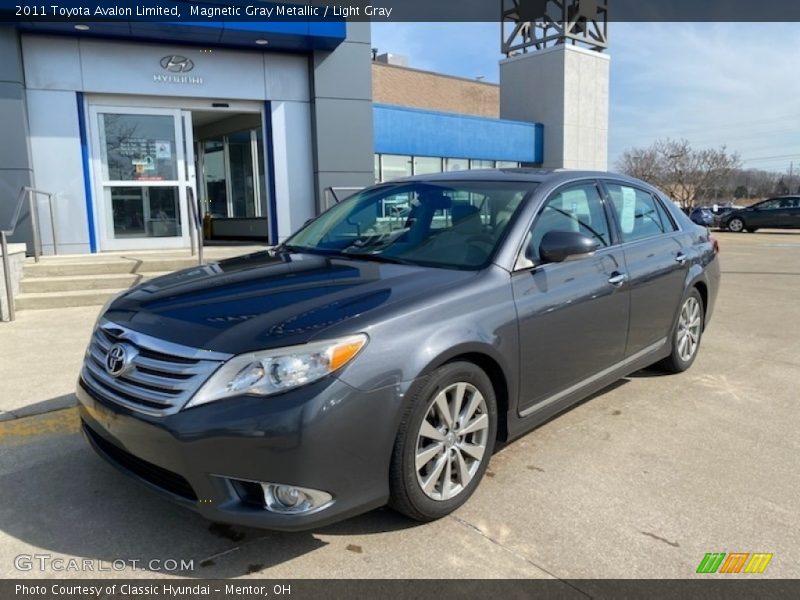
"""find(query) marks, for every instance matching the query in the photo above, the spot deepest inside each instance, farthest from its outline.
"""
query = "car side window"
(639, 214)
(666, 219)
(769, 204)
(577, 208)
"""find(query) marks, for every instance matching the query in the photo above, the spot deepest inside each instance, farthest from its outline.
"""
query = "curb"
(40, 408)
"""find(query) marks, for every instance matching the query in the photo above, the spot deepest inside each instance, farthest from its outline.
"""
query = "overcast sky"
(736, 84)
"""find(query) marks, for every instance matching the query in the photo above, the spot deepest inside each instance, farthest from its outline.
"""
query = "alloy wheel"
(736, 225)
(451, 441)
(689, 326)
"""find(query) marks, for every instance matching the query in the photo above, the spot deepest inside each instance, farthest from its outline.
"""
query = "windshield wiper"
(299, 249)
(375, 258)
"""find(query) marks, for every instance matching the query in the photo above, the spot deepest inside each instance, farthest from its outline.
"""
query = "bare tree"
(688, 175)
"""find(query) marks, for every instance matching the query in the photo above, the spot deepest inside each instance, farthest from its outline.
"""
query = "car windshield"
(448, 224)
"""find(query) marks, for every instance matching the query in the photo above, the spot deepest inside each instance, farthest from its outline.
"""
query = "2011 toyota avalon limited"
(380, 353)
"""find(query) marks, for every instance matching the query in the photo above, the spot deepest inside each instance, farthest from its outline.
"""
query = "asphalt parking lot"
(642, 480)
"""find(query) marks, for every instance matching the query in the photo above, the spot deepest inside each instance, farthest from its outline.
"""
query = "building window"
(427, 164)
(481, 164)
(394, 167)
(456, 164)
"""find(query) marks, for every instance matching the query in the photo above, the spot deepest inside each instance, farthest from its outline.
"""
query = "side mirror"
(558, 246)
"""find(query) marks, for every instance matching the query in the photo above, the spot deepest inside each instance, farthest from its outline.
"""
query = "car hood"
(266, 300)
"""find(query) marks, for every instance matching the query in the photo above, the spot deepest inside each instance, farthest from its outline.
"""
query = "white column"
(565, 88)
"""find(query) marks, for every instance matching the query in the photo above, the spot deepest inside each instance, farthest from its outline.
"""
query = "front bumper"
(326, 436)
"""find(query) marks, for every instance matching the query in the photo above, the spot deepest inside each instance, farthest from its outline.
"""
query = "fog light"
(293, 500)
(288, 496)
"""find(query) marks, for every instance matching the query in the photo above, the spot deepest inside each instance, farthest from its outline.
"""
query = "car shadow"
(57, 497)
(651, 371)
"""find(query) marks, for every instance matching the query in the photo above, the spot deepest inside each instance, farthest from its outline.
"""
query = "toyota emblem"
(118, 359)
(174, 63)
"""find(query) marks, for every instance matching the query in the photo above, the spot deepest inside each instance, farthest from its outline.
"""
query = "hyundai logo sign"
(174, 63)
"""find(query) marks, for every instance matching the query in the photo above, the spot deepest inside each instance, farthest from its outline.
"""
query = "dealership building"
(125, 123)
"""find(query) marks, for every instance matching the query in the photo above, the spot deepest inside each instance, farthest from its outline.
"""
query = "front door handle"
(680, 258)
(617, 278)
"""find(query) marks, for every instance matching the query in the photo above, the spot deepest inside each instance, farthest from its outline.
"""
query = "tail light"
(714, 244)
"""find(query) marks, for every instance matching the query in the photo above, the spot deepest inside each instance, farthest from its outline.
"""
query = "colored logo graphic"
(736, 562)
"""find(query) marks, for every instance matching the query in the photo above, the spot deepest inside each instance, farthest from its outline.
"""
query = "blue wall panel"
(282, 35)
(401, 130)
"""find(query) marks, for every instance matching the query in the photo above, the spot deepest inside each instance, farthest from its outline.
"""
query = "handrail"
(333, 192)
(30, 193)
(196, 231)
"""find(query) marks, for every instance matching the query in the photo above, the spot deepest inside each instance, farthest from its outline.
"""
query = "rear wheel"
(686, 334)
(736, 225)
(444, 443)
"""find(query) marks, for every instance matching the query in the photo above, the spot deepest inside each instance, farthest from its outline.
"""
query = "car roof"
(519, 174)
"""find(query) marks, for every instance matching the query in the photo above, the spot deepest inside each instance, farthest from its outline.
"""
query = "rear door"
(784, 213)
(573, 315)
(657, 256)
(794, 213)
(764, 214)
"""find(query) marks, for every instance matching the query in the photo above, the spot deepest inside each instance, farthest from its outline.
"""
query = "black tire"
(676, 362)
(736, 225)
(407, 495)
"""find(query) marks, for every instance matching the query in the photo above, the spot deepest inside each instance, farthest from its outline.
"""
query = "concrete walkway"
(42, 351)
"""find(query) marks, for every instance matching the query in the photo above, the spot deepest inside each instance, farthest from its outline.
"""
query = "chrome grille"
(161, 377)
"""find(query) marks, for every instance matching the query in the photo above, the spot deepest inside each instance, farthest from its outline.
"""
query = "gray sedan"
(379, 354)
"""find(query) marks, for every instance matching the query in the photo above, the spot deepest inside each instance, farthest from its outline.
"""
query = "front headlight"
(272, 371)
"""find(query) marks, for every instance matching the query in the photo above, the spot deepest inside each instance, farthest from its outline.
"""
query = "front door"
(573, 316)
(141, 174)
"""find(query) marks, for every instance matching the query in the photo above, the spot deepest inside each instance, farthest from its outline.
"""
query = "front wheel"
(736, 225)
(686, 334)
(444, 443)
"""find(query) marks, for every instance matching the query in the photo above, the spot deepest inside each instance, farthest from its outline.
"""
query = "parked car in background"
(702, 215)
(775, 213)
(719, 212)
(377, 356)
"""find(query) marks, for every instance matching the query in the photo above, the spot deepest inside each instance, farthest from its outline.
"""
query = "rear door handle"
(617, 278)
(680, 257)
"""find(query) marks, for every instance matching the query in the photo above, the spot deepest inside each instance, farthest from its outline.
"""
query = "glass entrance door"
(141, 177)
(233, 185)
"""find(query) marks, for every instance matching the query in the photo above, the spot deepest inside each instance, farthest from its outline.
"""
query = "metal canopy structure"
(530, 25)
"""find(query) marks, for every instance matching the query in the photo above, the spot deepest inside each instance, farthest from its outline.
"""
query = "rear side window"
(640, 215)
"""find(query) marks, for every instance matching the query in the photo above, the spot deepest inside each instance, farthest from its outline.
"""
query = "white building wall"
(294, 167)
(58, 168)
(566, 89)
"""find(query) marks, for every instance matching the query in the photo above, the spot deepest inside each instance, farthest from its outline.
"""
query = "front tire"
(444, 443)
(686, 334)
(736, 225)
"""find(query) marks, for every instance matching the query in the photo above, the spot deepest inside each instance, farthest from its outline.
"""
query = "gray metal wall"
(15, 162)
(342, 112)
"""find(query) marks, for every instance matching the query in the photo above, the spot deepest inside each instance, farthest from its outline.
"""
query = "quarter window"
(639, 214)
(578, 208)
